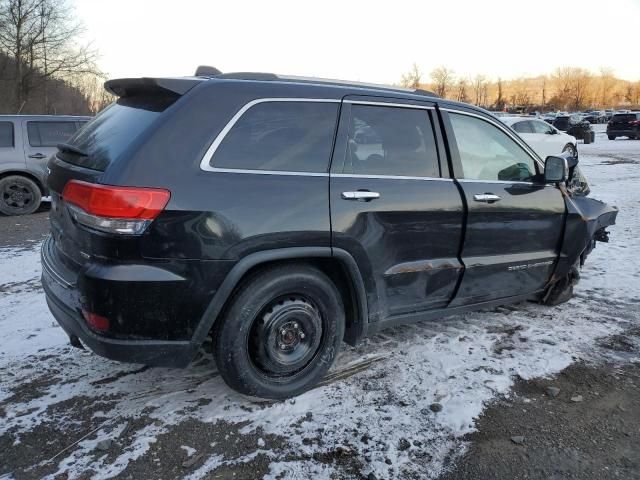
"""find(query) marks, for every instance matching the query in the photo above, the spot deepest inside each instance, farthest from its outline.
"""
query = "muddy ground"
(464, 398)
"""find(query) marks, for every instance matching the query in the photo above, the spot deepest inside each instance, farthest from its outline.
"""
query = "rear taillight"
(95, 321)
(111, 209)
(634, 122)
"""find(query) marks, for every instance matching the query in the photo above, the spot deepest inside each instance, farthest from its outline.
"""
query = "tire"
(19, 195)
(587, 138)
(280, 333)
(571, 149)
(611, 137)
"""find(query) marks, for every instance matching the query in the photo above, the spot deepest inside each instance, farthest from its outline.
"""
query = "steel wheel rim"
(285, 336)
(16, 195)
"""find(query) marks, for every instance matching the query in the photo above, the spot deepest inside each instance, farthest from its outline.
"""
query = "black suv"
(624, 125)
(280, 216)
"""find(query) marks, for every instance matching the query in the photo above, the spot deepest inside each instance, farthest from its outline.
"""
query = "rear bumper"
(64, 304)
(624, 133)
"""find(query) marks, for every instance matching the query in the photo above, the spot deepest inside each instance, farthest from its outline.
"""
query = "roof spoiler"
(127, 87)
(207, 71)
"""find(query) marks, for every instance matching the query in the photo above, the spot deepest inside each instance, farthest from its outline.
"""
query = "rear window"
(50, 134)
(6, 134)
(625, 117)
(107, 135)
(280, 136)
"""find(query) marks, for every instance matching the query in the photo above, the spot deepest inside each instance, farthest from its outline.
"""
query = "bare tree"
(500, 101)
(412, 78)
(442, 78)
(461, 91)
(40, 36)
(479, 87)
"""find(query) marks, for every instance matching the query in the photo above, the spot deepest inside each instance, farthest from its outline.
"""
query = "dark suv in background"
(26, 143)
(624, 125)
(281, 216)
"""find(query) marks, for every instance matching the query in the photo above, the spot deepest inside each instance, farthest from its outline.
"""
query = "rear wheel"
(281, 332)
(611, 137)
(19, 195)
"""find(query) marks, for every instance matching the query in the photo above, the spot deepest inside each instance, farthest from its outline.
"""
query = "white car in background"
(545, 139)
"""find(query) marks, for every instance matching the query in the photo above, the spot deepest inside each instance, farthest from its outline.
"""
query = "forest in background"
(566, 88)
(44, 69)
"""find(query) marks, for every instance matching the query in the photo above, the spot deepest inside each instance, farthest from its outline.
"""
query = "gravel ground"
(447, 399)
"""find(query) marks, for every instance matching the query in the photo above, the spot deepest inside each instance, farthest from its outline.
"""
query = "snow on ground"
(377, 396)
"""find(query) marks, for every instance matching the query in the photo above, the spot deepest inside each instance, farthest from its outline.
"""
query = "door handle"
(486, 197)
(361, 195)
(37, 155)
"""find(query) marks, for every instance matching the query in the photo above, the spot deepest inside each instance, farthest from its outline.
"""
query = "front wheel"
(280, 333)
(611, 137)
(19, 195)
(570, 149)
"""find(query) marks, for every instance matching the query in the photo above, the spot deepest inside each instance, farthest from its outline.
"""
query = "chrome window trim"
(205, 163)
(504, 128)
(388, 104)
(518, 182)
(389, 177)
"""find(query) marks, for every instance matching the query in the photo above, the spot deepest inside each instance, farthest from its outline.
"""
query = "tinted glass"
(487, 153)
(6, 134)
(561, 122)
(523, 127)
(280, 136)
(50, 134)
(108, 134)
(541, 127)
(624, 117)
(391, 141)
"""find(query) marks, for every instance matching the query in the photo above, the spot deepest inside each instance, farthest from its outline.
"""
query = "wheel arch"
(337, 264)
(29, 175)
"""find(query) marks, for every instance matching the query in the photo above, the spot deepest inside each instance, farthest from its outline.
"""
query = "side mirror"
(556, 169)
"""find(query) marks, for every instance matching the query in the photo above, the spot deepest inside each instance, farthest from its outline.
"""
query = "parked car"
(545, 139)
(26, 142)
(624, 125)
(608, 114)
(575, 126)
(500, 114)
(596, 116)
(280, 216)
(549, 117)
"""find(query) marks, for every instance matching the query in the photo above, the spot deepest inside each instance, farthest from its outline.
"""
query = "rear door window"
(489, 154)
(523, 127)
(50, 134)
(6, 134)
(541, 127)
(391, 141)
(288, 136)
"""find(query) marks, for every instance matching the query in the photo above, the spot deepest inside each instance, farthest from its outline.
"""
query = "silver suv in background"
(26, 143)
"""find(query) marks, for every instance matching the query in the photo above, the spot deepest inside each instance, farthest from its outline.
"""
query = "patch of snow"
(397, 375)
(190, 450)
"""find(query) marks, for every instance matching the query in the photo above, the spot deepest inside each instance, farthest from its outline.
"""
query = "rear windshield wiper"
(65, 147)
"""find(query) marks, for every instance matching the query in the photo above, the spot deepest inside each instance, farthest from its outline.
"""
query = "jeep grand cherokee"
(281, 216)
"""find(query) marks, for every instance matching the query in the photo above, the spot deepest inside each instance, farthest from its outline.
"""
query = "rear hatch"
(623, 121)
(105, 141)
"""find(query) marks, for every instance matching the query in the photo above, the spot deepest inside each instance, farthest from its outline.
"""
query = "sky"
(370, 41)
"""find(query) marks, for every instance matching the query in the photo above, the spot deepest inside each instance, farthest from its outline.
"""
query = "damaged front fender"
(586, 223)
